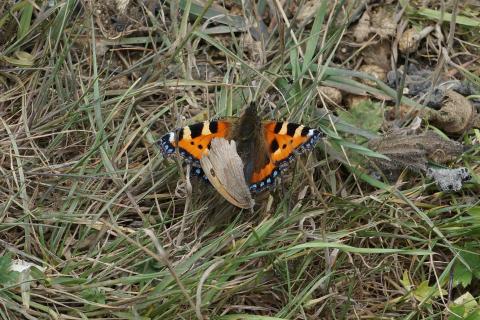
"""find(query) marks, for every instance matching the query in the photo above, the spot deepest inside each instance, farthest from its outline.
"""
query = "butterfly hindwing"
(264, 178)
(198, 172)
(194, 141)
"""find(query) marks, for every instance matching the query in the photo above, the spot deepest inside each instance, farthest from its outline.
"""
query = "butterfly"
(265, 147)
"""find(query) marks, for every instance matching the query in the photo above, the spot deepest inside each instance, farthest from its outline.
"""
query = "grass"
(116, 231)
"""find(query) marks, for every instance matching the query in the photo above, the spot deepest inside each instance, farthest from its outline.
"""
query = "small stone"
(409, 42)
(375, 71)
(331, 96)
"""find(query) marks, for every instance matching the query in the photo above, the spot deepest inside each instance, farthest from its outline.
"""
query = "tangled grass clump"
(95, 223)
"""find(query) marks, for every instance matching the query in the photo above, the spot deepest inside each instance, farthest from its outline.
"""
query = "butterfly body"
(265, 147)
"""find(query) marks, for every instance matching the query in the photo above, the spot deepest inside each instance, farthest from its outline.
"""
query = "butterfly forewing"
(284, 140)
(194, 141)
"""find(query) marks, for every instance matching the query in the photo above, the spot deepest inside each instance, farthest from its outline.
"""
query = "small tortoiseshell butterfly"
(265, 147)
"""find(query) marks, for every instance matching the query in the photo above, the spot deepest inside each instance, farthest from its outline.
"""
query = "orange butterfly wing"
(284, 141)
(194, 141)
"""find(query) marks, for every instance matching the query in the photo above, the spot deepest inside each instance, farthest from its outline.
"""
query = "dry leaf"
(224, 169)
(456, 115)
(307, 11)
(449, 179)
(380, 21)
(383, 22)
(362, 29)
(378, 54)
(409, 41)
(375, 71)
(413, 152)
(332, 96)
(122, 5)
(253, 47)
(353, 100)
(21, 59)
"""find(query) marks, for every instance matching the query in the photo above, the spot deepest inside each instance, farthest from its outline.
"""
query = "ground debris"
(412, 152)
(331, 96)
(116, 17)
(375, 71)
(449, 179)
(419, 85)
(410, 39)
(447, 105)
(380, 21)
(456, 115)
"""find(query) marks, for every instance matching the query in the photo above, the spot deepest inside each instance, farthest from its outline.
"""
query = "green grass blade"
(312, 41)
(437, 16)
(25, 20)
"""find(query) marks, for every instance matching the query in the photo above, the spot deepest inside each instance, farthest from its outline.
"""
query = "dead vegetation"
(95, 223)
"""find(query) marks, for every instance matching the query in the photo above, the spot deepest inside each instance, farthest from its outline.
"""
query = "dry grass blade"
(96, 224)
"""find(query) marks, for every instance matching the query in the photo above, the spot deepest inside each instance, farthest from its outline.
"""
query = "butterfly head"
(249, 124)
